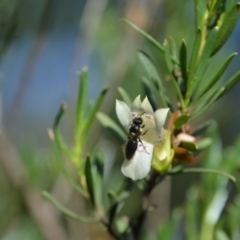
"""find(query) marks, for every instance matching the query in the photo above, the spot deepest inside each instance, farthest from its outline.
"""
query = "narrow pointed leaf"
(57, 133)
(145, 35)
(227, 25)
(203, 61)
(125, 96)
(181, 120)
(150, 67)
(202, 128)
(93, 113)
(230, 84)
(173, 48)
(207, 170)
(64, 169)
(167, 56)
(194, 60)
(200, 8)
(156, 93)
(217, 75)
(97, 175)
(153, 75)
(112, 196)
(106, 121)
(89, 179)
(148, 37)
(66, 211)
(183, 62)
(204, 143)
(207, 103)
(82, 99)
(191, 146)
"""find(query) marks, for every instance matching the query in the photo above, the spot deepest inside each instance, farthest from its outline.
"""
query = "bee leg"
(143, 145)
(144, 132)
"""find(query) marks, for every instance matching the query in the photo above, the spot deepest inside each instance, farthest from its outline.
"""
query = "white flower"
(140, 164)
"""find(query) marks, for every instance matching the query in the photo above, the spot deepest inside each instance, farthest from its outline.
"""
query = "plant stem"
(155, 178)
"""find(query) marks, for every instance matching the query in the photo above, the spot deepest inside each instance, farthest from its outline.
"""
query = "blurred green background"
(42, 45)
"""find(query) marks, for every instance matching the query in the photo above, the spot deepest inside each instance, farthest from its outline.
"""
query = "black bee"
(135, 131)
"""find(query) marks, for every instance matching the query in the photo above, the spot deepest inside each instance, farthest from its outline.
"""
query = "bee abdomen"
(131, 148)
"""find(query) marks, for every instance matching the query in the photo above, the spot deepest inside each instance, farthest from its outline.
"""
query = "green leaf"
(145, 35)
(57, 133)
(106, 121)
(148, 37)
(206, 53)
(227, 24)
(218, 93)
(125, 96)
(97, 176)
(192, 214)
(153, 75)
(194, 61)
(191, 146)
(66, 211)
(216, 76)
(202, 128)
(229, 85)
(207, 170)
(213, 213)
(60, 161)
(82, 99)
(173, 48)
(93, 113)
(181, 120)
(183, 62)
(200, 9)
(89, 179)
(221, 235)
(112, 196)
(204, 143)
(167, 56)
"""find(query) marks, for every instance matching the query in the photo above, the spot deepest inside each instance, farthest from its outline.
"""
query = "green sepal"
(226, 24)
(66, 211)
(181, 120)
(106, 121)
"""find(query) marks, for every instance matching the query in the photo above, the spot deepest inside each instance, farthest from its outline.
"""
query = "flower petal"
(123, 113)
(136, 105)
(140, 165)
(146, 106)
(160, 117)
